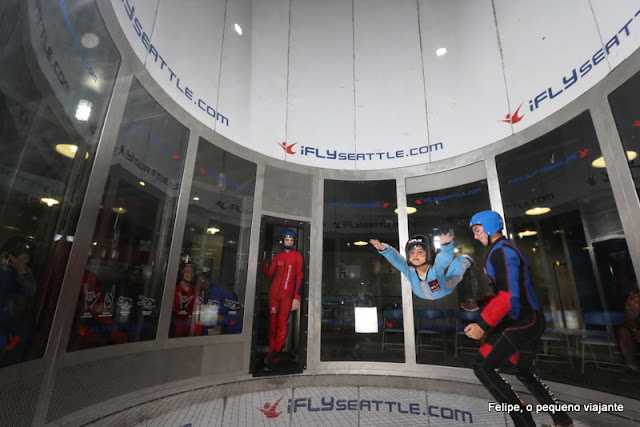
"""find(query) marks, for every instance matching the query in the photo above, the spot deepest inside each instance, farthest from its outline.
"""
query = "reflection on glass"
(210, 288)
(441, 211)
(47, 156)
(123, 280)
(355, 275)
(626, 112)
(580, 265)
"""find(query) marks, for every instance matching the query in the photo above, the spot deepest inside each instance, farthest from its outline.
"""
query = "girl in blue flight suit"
(432, 276)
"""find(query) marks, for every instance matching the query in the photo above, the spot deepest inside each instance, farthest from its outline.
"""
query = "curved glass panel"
(124, 278)
(560, 211)
(54, 92)
(209, 299)
(436, 208)
(361, 296)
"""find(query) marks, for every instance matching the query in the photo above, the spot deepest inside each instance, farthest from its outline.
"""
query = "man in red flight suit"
(284, 295)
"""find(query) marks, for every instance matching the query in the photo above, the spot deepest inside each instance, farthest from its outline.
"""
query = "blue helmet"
(289, 233)
(491, 221)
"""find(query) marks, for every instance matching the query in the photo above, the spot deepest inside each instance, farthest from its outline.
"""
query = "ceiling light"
(410, 210)
(89, 40)
(83, 112)
(119, 210)
(142, 183)
(212, 230)
(69, 150)
(238, 29)
(360, 243)
(527, 233)
(537, 211)
(599, 162)
(441, 51)
(49, 201)
(196, 198)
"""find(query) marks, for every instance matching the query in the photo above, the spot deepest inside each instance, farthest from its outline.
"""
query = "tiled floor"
(260, 403)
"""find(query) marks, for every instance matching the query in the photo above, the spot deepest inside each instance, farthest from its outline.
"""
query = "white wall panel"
(390, 110)
(619, 26)
(466, 93)
(551, 53)
(321, 87)
(137, 18)
(235, 72)
(269, 74)
(191, 71)
(356, 80)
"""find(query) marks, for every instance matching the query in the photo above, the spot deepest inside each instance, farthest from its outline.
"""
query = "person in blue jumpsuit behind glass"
(432, 276)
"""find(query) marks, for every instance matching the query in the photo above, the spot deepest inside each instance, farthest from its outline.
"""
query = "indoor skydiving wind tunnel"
(153, 153)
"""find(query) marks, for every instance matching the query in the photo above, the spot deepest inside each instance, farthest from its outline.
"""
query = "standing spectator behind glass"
(184, 300)
(124, 303)
(629, 334)
(219, 309)
(17, 286)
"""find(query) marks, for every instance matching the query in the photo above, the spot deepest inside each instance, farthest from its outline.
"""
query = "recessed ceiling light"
(49, 201)
(212, 230)
(238, 29)
(410, 210)
(90, 40)
(83, 112)
(360, 243)
(537, 211)
(599, 162)
(527, 233)
(119, 210)
(67, 150)
(441, 51)
(142, 183)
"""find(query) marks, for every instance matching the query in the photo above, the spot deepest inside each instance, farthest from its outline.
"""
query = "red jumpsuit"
(285, 286)
(183, 303)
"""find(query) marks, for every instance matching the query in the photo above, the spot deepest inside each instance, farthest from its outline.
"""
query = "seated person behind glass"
(184, 301)
(125, 299)
(219, 310)
(93, 325)
(16, 279)
(431, 276)
(17, 285)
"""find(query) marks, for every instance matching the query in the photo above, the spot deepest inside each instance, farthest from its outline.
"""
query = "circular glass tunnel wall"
(557, 199)
(560, 210)
(52, 113)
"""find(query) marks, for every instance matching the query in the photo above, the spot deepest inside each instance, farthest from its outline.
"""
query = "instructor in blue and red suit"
(284, 294)
(511, 324)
